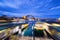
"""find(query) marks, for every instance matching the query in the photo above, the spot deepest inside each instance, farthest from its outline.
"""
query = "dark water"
(29, 30)
(57, 28)
(9, 25)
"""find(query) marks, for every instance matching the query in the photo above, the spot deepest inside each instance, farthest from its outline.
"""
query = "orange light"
(24, 17)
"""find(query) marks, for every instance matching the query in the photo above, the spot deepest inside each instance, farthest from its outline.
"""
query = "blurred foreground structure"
(29, 28)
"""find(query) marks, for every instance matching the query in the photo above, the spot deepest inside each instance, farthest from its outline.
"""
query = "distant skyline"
(37, 8)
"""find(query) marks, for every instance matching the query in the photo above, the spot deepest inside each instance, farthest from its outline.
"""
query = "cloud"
(7, 4)
(41, 15)
(25, 5)
(38, 8)
(20, 14)
(12, 3)
(53, 8)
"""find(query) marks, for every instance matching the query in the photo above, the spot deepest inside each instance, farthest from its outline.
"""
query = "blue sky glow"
(37, 8)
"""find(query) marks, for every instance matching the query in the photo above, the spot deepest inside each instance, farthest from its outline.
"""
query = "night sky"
(37, 8)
